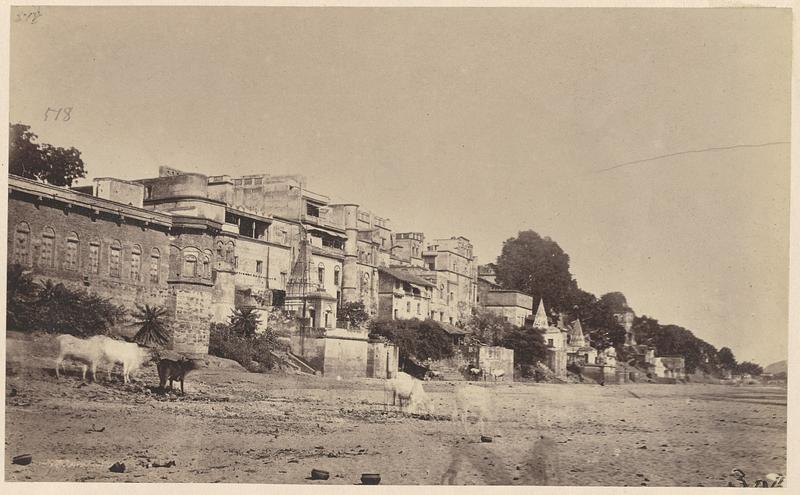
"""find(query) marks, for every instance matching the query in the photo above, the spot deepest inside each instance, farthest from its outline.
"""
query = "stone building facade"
(127, 253)
(196, 244)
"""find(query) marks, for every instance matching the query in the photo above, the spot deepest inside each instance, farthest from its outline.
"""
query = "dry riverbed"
(240, 427)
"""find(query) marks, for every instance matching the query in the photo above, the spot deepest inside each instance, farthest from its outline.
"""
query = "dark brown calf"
(169, 369)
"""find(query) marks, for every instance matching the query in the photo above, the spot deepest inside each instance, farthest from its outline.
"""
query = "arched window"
(22, 243)
(94, 256)
(321, 275)
(136, 262)
(114, 260)
(230, 253)
(220, 251)
(336, 276)
(155, 260)
(46, 253)
(190, 266)
(206, 266)
(71, 252)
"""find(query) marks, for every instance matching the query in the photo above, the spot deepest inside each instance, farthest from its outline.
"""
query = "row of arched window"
(196, 264)
(47, 255)
(226, 251)
(365, 257)
(321, 275)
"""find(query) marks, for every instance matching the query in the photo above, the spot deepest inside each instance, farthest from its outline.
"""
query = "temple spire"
(540, 321)
(576, 338)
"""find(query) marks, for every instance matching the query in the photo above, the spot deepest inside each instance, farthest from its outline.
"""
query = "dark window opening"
(312, 210)
(278, 298)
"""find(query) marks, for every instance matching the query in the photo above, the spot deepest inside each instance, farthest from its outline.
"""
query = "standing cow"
(88, 352)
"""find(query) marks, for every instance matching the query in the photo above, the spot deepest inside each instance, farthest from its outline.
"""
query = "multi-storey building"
(449, 268)
(193, 243)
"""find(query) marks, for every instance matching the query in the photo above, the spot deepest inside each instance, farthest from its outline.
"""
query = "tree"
(645, 329)
(527, 343)
(254, 353)
(488, 327)
(672, 340)
(353, 313)
(600, 323)
(245, 321)
(44, 162)
(537, 266)
(414, 338)
(726, 359)
(152, 327)
(615, 302)
(752, 369)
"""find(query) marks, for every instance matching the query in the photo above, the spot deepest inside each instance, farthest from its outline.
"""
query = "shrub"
(353, 313)
(225, 342)
(417, 339)
(153, 329)
(245, 322)
(53, 307)
(282, 323)
(527, 343)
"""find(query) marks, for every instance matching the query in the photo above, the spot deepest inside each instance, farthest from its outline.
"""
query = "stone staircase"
(293, 362)
(449, 372)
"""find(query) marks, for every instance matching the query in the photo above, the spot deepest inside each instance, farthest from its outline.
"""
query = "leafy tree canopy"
(537, 266)
(354, 313)
(615, 302)
(488, 327)
(42, 161)
(752, 369)
(726, 359)
(417, 339)
(527, 343)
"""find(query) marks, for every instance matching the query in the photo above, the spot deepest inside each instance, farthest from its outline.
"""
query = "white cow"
(407, 388)
(88, 352)
(475, 399)
(129, 354)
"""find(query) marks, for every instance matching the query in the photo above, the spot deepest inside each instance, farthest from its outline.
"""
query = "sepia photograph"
(398, 245)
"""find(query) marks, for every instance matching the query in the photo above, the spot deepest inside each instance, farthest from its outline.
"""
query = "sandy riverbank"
(242, 427)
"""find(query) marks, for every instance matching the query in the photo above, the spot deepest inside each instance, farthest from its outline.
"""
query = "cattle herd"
(404, 390)
(101, 349)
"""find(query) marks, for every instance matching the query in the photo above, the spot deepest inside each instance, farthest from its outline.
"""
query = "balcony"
(327, 251)
(321, 220)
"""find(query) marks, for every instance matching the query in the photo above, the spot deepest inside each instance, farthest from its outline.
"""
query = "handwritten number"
(31, 17)
(65, 118)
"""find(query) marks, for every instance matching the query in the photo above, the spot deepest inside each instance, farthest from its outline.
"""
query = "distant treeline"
(538, 266)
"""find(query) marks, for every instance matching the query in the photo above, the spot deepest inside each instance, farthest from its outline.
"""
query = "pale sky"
(474, 122)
